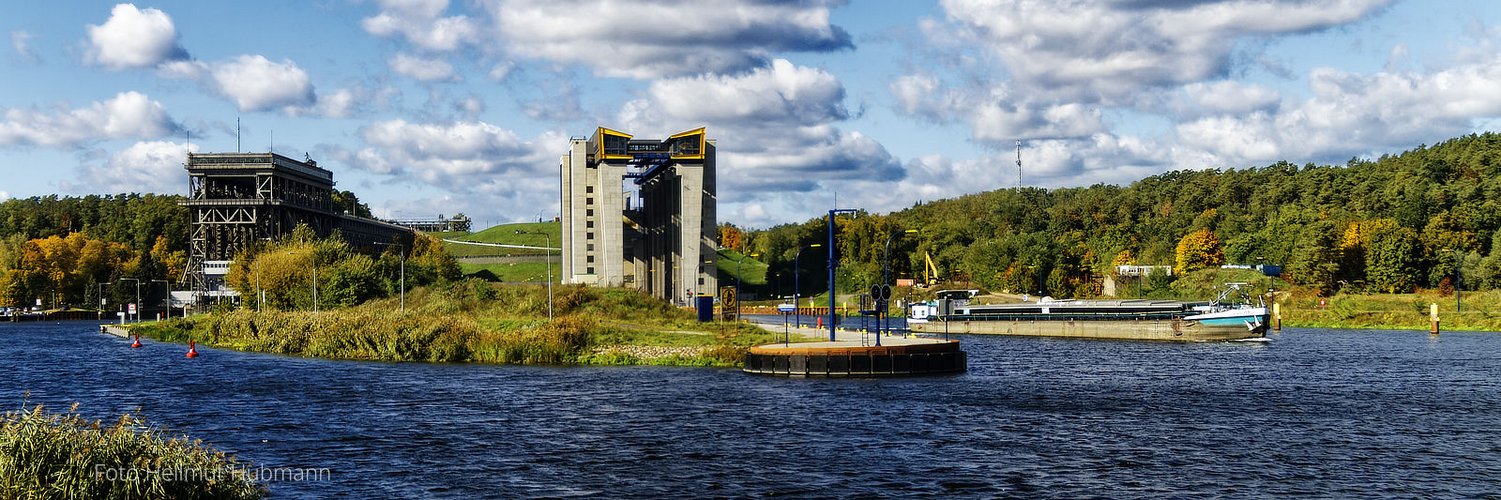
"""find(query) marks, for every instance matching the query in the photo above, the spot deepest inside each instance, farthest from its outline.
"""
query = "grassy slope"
(479, 322)
(505, 234)
(751, 271)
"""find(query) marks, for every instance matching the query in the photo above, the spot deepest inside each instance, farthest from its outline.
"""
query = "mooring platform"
(852, 354)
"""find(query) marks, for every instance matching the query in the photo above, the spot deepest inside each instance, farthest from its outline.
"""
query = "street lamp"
(832, 265)
(737, 282)
(549, 269)
(1459, 262)
(886, 279)
(138, 297)
(403, 255)
(795, 307)
(168, 286)
(315, 279)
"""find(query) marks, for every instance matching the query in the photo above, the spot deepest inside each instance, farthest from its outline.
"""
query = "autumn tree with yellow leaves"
(1198, 250)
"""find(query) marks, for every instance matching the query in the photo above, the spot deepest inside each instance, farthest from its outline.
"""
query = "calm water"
(1314, 412)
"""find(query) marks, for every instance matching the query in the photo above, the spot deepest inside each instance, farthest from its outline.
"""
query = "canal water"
(1313, 412)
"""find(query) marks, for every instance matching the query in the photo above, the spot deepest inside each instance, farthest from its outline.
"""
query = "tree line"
(90, 250)
(109, 250)
(1391, 225)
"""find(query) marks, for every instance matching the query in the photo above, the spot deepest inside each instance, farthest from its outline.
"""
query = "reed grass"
(46, 455)
(477, 322)
(1479, 311)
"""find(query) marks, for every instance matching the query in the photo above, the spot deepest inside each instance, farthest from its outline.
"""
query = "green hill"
(1392, 224)
(508, 264)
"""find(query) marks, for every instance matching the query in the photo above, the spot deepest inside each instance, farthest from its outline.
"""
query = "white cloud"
(423, 69)
(487, 168)
(422, 24)
(1225, 97)
(437, 153)
(778, 138)
(20, 40)
(994, 114)
(149, 166)
(781, 93)
(133, 38)
(255, 83)
(1113, 49)
(665, 37)
(1353, 114)
(501, 71)
(4, 196)
(127, 115)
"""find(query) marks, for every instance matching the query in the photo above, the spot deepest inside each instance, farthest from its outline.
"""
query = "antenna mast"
(237, 134)
(1018, 164)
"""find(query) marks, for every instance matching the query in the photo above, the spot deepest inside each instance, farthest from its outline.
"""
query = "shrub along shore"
(65, 456)
(472, 321)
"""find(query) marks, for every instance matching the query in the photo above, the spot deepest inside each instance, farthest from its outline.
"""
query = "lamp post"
(168, 285)
(1459, 262)
(796, 308)
(138, 297)
(833, 264)
(737, 282)
(549, 269)
(403, 256)
(315, 280)
(886, 279)
(260, 295)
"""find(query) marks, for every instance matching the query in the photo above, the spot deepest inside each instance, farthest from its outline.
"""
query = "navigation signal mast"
(1018, 164)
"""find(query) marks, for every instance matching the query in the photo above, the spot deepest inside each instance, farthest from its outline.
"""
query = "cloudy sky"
(424, 107)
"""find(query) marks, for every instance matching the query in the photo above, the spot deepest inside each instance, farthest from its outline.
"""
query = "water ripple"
(1314, 413)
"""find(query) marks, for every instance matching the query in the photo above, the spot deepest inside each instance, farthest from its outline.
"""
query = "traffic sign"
(786, 308)
(885, 292)
(132, 308)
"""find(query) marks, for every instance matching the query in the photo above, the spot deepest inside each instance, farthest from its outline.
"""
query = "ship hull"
(1181, 329)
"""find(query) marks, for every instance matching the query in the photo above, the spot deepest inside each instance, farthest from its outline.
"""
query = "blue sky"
(424, 107)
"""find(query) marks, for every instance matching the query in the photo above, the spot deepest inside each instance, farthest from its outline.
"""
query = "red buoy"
(820, 322)
(192, 349)
(137, 344)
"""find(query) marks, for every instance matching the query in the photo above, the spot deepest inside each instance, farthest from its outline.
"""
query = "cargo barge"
(1218, 320)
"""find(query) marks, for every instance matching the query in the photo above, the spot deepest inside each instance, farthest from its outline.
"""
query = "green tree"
(1316, 257)
(1392, 259)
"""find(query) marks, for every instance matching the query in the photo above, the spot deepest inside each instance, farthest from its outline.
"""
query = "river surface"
(1313, 412)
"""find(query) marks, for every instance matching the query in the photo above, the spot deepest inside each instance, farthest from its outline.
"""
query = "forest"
(74, 251)
(106, 249)
(1424, 218)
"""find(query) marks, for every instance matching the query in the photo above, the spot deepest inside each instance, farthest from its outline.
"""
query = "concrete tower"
(640, 213)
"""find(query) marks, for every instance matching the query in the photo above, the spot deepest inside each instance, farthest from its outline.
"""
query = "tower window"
(588, 236)
(588, 189)
(589, 259)
(589, 200)
(589, 270)
(589, 224)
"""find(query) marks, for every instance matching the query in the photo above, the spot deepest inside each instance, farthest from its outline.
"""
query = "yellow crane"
(929, 271)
